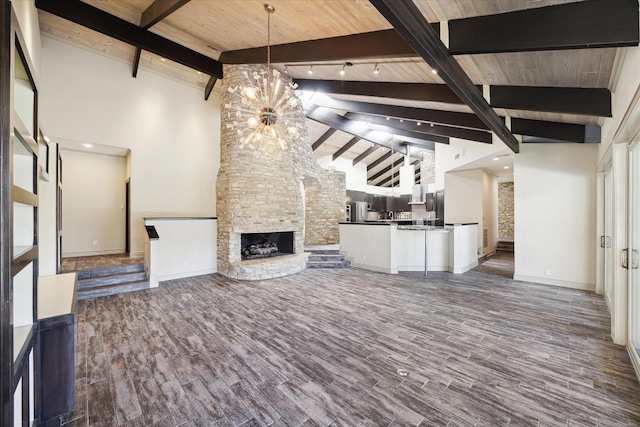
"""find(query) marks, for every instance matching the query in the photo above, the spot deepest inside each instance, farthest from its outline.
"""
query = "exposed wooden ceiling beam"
(429, 129)
(579, 25)
(376, 44)
(381, 172)
(567, 132)
(353, 141)
(409, 91)
(209, 88)
(569, 100)
(336, 121)
(88, 16)
(574, 100)
(395, 176)
(323, 138)
(136, 62)
(552, 130)
(452, 118)
(365, 154)
(410, 136)
(156, 12)
(409, 22)
(380, 159)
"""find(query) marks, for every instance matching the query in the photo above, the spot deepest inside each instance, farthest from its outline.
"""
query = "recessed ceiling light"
(87, 145)
(495, 159)
(434, 71)
(342, 71)
(162, 59)
(310, 69)
(376, 70)
(199, 73)
(419, 123)
(506, 167)
(388, 117)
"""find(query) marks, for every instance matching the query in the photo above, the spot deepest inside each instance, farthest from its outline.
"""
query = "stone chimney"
(265, 191)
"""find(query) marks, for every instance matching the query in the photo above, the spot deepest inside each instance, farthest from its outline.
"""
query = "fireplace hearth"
(266, 245)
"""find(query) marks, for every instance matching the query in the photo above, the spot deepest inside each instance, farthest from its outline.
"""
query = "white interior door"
(606, 239)
(633, 258)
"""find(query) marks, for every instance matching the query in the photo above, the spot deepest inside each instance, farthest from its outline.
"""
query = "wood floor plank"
(323, 348)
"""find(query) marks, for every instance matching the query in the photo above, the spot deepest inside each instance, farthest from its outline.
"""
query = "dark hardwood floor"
(96, 261)
(323, 347)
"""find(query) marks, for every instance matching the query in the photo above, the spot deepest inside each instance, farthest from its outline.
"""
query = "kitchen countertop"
(423, 227)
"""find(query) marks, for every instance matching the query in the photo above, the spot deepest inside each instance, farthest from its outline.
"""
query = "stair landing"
(104, 275)
(326, 256)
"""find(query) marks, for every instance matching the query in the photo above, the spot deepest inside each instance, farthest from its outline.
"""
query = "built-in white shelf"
(20, 336)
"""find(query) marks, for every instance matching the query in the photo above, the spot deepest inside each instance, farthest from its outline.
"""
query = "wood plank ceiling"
(423, 71)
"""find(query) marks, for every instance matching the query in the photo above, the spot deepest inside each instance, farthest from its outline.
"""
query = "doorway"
(633, 260)
(605, 241)
(127, 224)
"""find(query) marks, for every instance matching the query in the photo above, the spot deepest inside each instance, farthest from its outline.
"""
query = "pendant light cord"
(269, 88)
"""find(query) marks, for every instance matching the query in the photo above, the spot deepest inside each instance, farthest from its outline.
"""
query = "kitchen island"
(388, 247)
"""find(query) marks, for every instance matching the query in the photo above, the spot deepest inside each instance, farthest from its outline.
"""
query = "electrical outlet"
(95, 243)
(547, 272)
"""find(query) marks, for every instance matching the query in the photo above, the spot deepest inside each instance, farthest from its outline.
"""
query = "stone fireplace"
(270, 191)
(265, 245)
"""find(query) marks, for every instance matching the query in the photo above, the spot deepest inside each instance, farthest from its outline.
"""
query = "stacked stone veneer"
(428, 168)
(505, 210)
(270, 190)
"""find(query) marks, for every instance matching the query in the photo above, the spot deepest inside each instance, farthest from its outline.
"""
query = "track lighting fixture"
(342, 72)
(375, 69)
(310, 70)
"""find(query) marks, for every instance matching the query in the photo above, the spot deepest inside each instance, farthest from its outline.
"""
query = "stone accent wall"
(266, 191)
(428, 168)
(505, 210)
(325, 208)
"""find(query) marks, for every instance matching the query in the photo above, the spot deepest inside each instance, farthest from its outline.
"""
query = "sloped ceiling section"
(416, 73)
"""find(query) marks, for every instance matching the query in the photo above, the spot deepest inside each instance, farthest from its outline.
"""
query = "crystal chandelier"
(267, 107)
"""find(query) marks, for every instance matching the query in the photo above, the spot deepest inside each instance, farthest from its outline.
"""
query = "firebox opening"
(264, 245)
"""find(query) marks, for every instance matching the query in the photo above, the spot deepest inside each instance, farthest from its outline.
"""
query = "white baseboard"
(554, 282)
(460, 270)
(421, 268)
(93, 253)
(375, 268)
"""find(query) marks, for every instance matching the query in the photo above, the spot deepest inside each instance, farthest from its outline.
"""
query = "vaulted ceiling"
(419, 72)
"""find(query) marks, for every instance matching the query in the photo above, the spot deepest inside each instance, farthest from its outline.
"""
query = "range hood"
(417, 195)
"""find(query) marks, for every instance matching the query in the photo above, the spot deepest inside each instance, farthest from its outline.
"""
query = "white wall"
(465, 151)
(47, 233)
(93, 204)
(625, 90)
(356, 176)
(555, 214)
(173, 134)
(186, 247)
(472, 197)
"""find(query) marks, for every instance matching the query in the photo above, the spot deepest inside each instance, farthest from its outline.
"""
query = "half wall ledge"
(267, 268)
